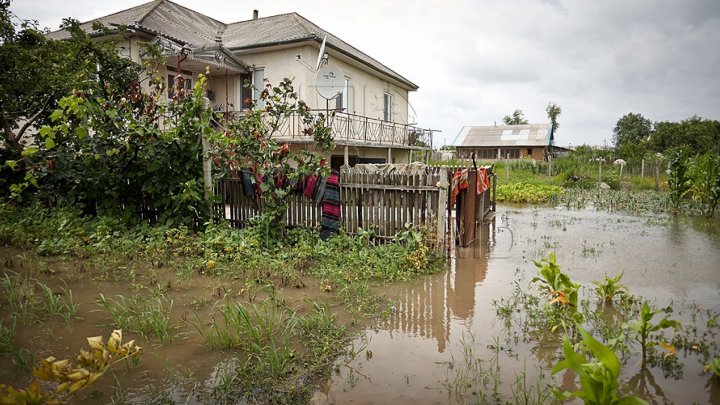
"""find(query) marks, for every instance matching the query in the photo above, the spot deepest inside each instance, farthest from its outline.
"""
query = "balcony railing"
(356, 129)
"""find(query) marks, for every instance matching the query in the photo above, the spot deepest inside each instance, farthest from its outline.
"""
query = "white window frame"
(344, 97)
(387, 106)
(258, 87)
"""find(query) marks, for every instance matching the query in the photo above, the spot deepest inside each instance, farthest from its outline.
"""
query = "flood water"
(411, 357)
(417, 352)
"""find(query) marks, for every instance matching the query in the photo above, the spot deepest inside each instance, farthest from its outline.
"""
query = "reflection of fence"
(379, 201)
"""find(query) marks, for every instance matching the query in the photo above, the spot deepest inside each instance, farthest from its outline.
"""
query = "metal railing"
(358, 129)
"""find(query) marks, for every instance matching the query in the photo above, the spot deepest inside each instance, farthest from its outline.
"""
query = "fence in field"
(379, 202)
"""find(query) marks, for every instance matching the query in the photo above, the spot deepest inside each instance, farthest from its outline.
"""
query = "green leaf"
(632, 401)
(601, 352)
(30, 151)
(11, 164)
(82, 132)
(57, 114)
(49, 143)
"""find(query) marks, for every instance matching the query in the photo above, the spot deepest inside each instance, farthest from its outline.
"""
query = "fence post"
(441, 208)
(207, 168)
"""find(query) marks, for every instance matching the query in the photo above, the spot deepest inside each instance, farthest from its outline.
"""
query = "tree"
(516, 118)
(37, 72)
(631, 128)
(631, 136)
(249, 143)
(553, 111)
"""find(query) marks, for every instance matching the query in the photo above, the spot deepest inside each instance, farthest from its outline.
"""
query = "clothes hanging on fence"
(247, 185)
(459, 182)
(320, 192)
(311, 186)
(330, 220)
(483, 182)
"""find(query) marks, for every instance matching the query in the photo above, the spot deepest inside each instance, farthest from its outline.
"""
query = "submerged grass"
(147, 316)
(285, 351)
(21, 358)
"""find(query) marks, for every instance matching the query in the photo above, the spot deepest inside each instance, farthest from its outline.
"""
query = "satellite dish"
(329, 81)
(320, 55)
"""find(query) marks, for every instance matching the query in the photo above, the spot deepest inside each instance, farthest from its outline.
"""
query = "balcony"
(351, 129)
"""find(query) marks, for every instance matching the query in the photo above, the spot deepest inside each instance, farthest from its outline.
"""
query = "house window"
(529, 151)
(258, 77)
(184, 80)
(341, 101)
(387, 107)
(246, 93)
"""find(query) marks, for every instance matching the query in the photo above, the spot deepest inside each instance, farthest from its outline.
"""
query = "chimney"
(255, 14)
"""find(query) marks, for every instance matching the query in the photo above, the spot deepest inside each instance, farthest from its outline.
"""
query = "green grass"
(58, 304)
(21, 358)
(147, 316)
(284, 350)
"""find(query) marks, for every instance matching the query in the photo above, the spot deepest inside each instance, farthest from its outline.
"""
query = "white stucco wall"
(366, 86)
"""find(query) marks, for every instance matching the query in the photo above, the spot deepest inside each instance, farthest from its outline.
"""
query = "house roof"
(196, 30)
(505, 135)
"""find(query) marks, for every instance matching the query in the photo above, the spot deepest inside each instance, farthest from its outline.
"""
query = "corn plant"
(678, 179)
(610, 288)
(714, 367)
(643, 327)
(556, 283)
(704, 183)
(598, 369)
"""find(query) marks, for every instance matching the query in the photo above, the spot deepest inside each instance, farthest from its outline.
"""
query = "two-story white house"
(371, 123)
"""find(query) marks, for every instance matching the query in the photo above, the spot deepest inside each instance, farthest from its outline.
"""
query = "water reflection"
(426, 308)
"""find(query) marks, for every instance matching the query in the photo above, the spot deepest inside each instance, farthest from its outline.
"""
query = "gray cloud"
(476, 61)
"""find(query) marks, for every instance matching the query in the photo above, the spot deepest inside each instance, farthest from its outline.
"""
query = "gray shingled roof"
(505, 136)
(171, 20)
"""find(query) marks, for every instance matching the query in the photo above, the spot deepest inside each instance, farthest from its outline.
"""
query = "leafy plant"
(610, 288)
(598, 369)
(714, 367)
(678, 179)
(643, 327)
(72, 376)
(557, 284)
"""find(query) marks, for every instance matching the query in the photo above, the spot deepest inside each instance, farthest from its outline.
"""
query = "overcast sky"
(476, 61)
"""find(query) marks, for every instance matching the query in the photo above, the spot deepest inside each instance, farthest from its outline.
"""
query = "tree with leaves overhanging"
(516, 118)
(553, 111)
(250, 142)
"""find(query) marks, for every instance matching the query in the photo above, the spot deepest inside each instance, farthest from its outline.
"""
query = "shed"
(506, 141)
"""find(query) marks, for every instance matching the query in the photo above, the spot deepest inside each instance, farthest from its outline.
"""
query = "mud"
(412, 355)
(667, 260)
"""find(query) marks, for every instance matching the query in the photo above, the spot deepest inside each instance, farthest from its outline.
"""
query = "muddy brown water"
(406, 358)
(663, 259)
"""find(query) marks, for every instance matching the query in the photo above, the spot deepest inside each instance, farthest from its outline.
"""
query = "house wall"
(488, 153)
(366, 89)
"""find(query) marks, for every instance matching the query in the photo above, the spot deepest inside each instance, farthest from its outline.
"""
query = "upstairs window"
(246, 93)
(387, 107)
(342, 99)
(172, 85)
(258, 82)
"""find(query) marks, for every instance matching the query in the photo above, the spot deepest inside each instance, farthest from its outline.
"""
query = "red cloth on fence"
(310, 186)
(483, 182)
(459, 182)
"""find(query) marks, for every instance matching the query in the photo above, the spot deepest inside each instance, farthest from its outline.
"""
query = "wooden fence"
(380, 202)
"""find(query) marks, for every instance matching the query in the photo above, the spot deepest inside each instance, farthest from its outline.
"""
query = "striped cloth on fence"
(330, 220)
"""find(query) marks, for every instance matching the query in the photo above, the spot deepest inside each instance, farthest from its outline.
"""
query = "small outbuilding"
(506, 142)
